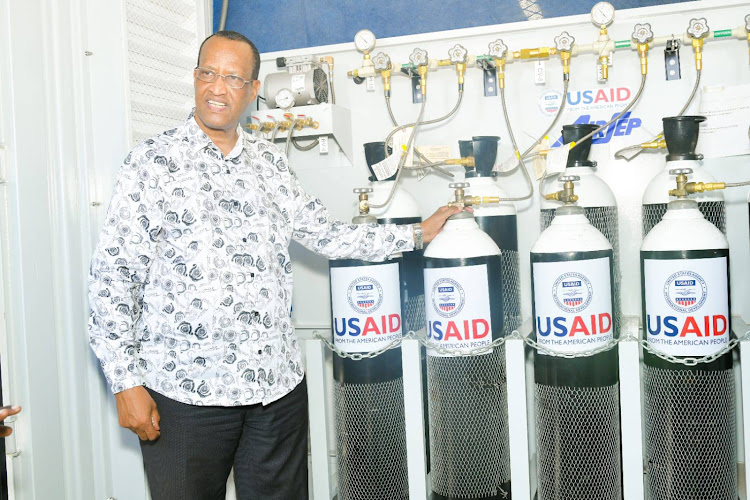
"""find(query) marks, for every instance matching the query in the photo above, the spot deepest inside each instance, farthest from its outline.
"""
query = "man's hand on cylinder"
(434, 224)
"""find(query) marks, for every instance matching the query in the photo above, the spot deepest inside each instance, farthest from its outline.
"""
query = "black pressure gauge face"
(603, 14)
(364, 40)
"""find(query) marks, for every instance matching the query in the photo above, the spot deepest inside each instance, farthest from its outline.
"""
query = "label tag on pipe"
(400, 140)
(508, 164)
(436, 153)
(387, 167)
(323, 144)
(370, 84)
(540, 73)
(539, 161)
(557, 159)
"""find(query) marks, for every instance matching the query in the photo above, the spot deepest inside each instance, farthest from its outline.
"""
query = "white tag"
(400, 140)
(507, 165)
(539, 161)
(370, 84)
(436, 153)
(599, 74)
(557, 159)
(298, 83)
(573, 304)
(687, 305)
(540, 74)
(366, 306)
(387, 167)
(458, 308)
(323, 144)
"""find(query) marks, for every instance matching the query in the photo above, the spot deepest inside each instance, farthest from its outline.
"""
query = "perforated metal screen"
(163, 37)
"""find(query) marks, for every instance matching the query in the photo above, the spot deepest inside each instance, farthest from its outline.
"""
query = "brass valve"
(498, 50)
(698, 29)
(382, 63)
(302, 122)
(604, 64)
(567, 193)
(564, 44)
(464, 162)
(252, 126)
(459, 56)
(660, 144)
(685, 188)
(419, 58)
(643, 35)
(461, 199)
(364, 204)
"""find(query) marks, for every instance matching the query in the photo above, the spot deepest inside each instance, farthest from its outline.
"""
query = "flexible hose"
(557, 116)
(306, 147)
(620, 156)
(223, 18)
(289, 140)
(402, 161)
(736, 184)
(330, 82)
(515, 151)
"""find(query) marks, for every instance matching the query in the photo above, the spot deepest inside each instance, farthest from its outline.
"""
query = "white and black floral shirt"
(191, 282)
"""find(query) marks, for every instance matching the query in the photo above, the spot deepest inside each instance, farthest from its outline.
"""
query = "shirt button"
(244, 239)
(260, 351)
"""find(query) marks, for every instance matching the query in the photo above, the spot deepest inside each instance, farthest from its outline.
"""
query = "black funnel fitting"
(579, 155)
(681, 135)
(375, 153)
(466, 150)
(485, 154)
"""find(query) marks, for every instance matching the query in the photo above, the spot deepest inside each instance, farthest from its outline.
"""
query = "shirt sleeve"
(314, 228)
(120, 266)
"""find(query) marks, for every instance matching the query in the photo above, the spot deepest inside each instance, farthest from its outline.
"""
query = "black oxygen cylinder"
(469, 444)
(577, 399)
(366, 310)
(689, 411)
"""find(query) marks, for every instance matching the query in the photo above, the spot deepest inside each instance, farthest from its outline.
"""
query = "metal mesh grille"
(578, 442)
(413, 312)
(320, 85)
(162, 50)
(469, 451)
(605, 220)
(713, 211)
(511, 291)
(691, 441)
(371, 441)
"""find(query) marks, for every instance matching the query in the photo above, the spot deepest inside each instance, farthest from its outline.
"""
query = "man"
(190, 291)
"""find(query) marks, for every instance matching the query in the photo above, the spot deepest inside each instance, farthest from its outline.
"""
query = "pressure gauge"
(603, 14)
(364, 40)
(284, 99)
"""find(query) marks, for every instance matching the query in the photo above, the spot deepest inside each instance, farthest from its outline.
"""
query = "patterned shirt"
(190, 285)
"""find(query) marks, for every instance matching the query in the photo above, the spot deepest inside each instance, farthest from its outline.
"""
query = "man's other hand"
(6, 431)
(434, 224)
(137, 411)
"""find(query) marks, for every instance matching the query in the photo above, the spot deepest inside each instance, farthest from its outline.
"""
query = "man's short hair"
(233, 35)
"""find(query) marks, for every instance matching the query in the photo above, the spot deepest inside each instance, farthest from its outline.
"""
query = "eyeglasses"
(209, 75)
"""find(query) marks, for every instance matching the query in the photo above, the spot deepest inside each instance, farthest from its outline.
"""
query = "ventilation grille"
(163, 45)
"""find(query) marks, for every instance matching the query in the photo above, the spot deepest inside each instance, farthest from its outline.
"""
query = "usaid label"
(366, 304)
(687, 305)
(573, 304)
(458, 308)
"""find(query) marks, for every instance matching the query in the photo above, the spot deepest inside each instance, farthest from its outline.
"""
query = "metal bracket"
(416, 89)
(11, 449)
(672, 60)
(490, 77)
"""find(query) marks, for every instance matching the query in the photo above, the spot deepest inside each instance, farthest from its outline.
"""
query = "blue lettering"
(336, 326)
(588, 96)
(539, 327)
(445, 289)
(434, 330)
(364, 287)
(354, 326)
(571, 283)
(560, 324)
(570, 101)
(670, 327)
(653, 331)
(684, 283)
(632, 124)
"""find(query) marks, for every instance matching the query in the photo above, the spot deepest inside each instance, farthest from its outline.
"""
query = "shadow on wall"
(295, 24)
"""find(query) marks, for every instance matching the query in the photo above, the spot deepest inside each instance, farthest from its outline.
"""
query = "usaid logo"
(365, 295)
(447, 297)
(685, 291)
(572, 292)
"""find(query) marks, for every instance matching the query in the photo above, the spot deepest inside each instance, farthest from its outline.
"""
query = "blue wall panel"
(291, 24)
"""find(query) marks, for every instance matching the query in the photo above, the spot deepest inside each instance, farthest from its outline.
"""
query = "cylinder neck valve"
(567, 193)
(698, 29)
(643, 35)
(684, 188)
(461, 199)
(498, 52)
(363, 207)
(564, 45)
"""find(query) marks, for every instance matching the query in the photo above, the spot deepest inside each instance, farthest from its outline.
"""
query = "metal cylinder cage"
(713, 211)
(511, 280)
(605, 220)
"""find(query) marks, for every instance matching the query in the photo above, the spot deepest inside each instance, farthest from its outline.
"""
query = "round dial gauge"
(284, 99)
(603, 14)
(364, 40)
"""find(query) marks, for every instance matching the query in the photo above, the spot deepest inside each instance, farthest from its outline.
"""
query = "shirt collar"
(199, 140)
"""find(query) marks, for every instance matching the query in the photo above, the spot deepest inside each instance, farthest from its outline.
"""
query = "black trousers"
(199, 445)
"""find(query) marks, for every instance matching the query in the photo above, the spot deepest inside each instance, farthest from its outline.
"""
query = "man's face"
(217, 106)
